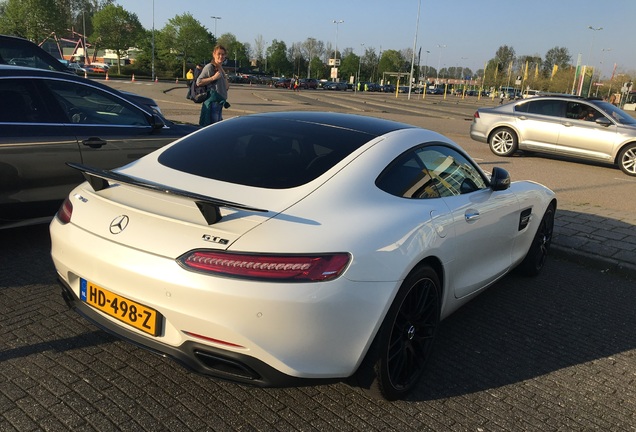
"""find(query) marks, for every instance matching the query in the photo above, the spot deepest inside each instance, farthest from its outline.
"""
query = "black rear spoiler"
(208, 206)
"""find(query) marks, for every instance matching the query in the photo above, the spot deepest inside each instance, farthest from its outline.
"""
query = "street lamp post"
(417, 24)
(335, 51)
(359, 64)
(594, 30)
(153, 40)
(599, 68)
(215, 18)
(439, 61)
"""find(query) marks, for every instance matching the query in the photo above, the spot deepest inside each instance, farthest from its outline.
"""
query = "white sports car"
(275, 248)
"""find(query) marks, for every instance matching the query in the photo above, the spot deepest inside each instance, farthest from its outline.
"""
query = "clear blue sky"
(471, 30)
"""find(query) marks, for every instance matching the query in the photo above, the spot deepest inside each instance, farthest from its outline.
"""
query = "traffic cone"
(156, 79)
(176, 81)
(133, 78)
(107, 76)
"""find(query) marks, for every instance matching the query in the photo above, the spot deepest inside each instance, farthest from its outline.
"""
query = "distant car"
(388, 88)
(32, 55)
(48, 118)
(309, 83)
(335, 85)
(435, 91)
(562, 125)
(289, 248)
(76, 67)
(96, 69)
(282, 83)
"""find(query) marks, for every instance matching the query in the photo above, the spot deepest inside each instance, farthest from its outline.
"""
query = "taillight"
(65, 212)
(476, 115)
(292, 268)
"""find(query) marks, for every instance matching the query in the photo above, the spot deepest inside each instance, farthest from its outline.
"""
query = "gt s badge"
(214, 239)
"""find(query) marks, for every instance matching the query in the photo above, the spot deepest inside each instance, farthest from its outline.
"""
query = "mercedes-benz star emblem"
(119, 224)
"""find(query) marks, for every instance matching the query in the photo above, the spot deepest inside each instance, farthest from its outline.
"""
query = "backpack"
(198, 94)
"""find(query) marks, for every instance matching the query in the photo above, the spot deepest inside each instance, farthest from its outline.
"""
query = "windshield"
(617, 114)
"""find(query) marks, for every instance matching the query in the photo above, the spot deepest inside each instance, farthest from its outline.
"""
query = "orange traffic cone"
(133, 78)
(107, 76)
(156, 79)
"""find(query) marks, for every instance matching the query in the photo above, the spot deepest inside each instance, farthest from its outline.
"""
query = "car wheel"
(400, 351)
(534, 261)
(627, 160)
(503, 142)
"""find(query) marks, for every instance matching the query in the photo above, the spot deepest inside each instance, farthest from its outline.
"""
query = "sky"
(463, 33)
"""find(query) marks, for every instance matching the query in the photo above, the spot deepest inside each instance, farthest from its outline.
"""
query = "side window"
(88, 105)
(19, 104)
(430, 172)
(580, 111)
(548, 107)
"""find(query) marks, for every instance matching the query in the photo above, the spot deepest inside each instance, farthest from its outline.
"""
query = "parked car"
(34, 56)
(76, 67)
(49, 118)
(239, 250)
(559, 125)
(335, 85)
(97, 68)
(435, 91)
(282, 83)
(309, 83)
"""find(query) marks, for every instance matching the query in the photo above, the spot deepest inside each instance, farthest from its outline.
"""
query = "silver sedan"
(561, 125)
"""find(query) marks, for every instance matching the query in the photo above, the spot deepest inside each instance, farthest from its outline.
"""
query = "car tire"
(402, 347)
(503, 142)
(535, 259)
(627, 160)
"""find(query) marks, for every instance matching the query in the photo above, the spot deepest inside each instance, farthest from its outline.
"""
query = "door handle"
(472, 215)
(94, 142)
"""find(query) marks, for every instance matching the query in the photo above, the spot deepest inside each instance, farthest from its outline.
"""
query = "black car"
(49, 118)
(22, 52)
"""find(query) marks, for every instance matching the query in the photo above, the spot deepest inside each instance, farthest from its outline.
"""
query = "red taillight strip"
(65, 212)
(294, 268)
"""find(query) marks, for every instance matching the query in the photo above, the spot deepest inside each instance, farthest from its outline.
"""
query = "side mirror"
(603, 121)
(500, 179)
(157, 122)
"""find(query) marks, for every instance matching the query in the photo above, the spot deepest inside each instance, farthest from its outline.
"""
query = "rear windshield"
(271, 153)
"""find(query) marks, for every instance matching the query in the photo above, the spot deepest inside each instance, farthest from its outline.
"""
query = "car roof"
(9, 71)
(368, 125)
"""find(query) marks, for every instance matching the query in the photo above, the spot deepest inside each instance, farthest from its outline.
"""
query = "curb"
(604, 264)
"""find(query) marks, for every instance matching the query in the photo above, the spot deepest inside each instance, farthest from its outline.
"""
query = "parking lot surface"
(557, 352)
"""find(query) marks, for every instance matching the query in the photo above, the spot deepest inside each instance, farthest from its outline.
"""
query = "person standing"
(216, 81)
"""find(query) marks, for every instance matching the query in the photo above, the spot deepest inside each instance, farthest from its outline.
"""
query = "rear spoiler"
(208, 206)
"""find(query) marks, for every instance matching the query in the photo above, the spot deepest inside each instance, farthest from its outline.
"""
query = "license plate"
(125, 310)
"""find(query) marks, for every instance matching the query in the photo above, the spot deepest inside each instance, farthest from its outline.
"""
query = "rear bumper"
(200, 358)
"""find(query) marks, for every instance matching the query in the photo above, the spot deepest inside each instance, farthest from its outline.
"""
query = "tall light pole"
(417, 25)
(359, 64)
(599, 69)
(439, 61)
(594, 30)
(215, 18)
(335, 51)
(153, 40)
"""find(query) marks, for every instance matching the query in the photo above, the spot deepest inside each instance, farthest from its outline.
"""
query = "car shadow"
(524, 328)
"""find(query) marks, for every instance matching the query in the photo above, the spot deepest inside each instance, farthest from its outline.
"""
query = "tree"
(349, 64)
(184, 40)
(278, 61)
(117, 29)
(237, 52)
(311, 48)
(558, 56)
(34, 19)
(391, 61)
